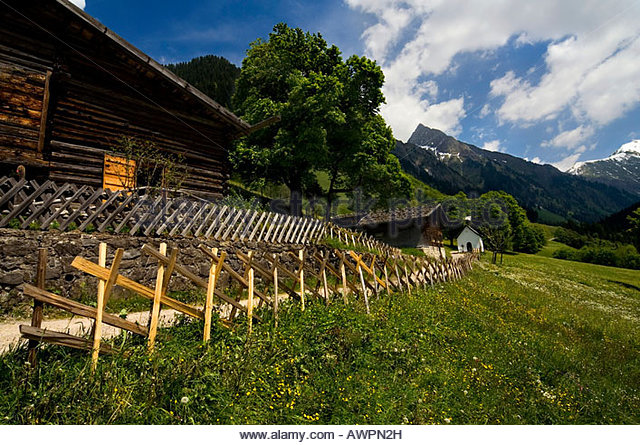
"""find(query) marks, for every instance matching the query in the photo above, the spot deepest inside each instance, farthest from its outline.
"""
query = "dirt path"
(10, 333)
(10, 330)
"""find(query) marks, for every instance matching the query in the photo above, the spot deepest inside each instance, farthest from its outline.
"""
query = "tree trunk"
(295, 203)
(330, 192)
(295, 198)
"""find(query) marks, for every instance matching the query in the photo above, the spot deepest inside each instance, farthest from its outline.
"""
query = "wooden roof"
(94, 25)
(373, 219)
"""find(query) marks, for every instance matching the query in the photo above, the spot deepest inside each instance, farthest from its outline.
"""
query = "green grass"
(548, 230)
(413, 251)
(552, 246)
(537, 340)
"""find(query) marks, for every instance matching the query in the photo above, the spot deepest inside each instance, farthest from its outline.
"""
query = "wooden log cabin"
(70, 89)
(419, 226)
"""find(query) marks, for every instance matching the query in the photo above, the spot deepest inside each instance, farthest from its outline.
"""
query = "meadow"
(534, 341)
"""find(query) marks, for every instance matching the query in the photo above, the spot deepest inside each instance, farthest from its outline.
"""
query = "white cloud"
(79, 3)
(382, 35)
(492, 146)
(405, 111)
(571, 138)
(590, 66)
(428, 88)
(446, 116)
(536, 160)
(612, 88)
(593, 75)
(485, 111)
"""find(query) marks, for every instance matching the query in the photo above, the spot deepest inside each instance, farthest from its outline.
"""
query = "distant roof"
(376, 218)
(470, 229)
(226, 115)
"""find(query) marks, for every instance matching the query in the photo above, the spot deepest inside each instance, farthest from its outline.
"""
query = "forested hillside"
(615, 227)
(213, 75)
(549, 195)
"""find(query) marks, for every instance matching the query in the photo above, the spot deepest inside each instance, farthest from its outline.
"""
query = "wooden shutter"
(119, 173)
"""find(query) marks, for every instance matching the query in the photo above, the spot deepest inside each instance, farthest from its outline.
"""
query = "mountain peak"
(423, 135)
(621, 169)
(450, 166)
(632, 148)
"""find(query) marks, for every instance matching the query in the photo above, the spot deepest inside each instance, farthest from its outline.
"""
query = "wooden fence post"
(325, 258)
(423, 270)
(386, 276)
(104, 290)
(375, 280)
(250, 300)
(301, 256)
(398, 276)
(157, 296)
(345, 287)
(36, 318)
(214, 274)
(364, 287)
(97, 325)
(406, 275)
(276, 297)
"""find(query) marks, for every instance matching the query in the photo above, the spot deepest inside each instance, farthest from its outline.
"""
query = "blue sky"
(552, 81)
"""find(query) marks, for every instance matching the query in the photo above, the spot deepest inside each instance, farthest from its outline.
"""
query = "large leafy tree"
(456, 209)
(329, 118)
(524, 237)
(492, 217)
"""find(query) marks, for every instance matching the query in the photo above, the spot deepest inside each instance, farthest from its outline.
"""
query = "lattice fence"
(29, 204)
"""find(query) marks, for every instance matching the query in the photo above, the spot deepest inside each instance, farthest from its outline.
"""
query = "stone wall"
(19, 257)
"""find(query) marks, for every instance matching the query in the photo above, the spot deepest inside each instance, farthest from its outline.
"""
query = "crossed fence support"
(322, 273)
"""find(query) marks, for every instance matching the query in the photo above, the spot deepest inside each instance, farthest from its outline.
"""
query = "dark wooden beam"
(18, 156)
(61, 339)
(45, 112)
(263, 124)
(81, 309)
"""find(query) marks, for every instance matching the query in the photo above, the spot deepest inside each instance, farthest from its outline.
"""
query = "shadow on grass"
(627, 285)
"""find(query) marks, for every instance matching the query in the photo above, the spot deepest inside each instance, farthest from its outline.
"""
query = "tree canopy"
(523, 236)
(498, 217)
(330, 120)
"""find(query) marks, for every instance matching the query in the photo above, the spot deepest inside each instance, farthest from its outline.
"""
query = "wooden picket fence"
(29, 204)
(321, 273)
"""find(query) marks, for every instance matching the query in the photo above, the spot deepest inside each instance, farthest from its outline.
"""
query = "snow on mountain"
(626, 151)
(630, 148)
(451, 166)
(621, 169)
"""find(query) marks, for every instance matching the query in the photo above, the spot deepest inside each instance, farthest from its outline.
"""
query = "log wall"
(99, 92)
